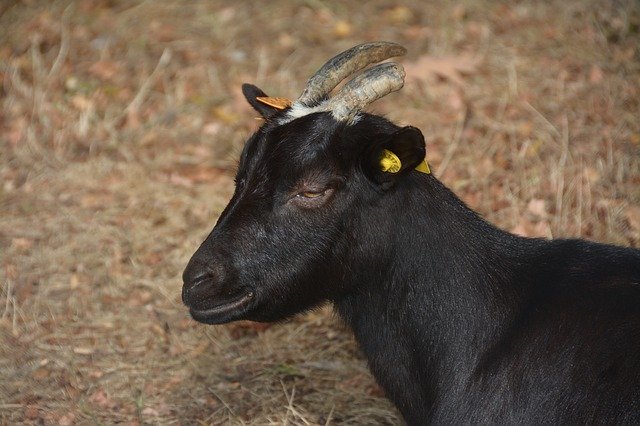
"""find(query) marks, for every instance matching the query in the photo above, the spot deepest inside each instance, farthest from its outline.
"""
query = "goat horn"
(343, 65)
(373, 84)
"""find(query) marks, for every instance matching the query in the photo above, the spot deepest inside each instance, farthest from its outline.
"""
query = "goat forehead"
(295, 144)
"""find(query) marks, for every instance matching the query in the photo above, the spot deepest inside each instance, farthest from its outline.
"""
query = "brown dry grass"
(120, 124)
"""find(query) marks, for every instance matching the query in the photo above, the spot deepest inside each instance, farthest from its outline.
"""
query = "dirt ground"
(120, 127)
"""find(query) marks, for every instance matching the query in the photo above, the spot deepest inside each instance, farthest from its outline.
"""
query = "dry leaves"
(101, 399)
(189, 177)
(632, 214)
(538, 207)
(430, 69)
(529, 228)
(342, 29)
(533, 222)
(22, 244)
(247, 328)
(398, 15)
(67, 419)
(91, 266)
(105, 69)
(81, 350)
(595, 74)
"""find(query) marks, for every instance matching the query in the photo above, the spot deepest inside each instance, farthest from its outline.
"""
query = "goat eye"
(312, 198)
(312, 194)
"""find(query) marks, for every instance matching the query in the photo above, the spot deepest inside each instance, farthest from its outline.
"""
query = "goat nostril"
(194, 273)
(193, 278)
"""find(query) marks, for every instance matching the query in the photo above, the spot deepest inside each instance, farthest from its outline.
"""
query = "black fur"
(460, 322)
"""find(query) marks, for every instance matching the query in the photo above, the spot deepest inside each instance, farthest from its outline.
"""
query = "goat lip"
(224, 312)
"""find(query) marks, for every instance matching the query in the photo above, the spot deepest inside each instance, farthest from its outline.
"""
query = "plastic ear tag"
(389, 162)
(423, 167)
(277, 103)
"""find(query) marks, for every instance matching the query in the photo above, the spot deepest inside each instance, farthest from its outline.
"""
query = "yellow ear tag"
(389, 162)
(277, 103)
(423, 167)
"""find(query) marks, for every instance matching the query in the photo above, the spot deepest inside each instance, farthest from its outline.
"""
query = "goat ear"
(252, 93)
(397, 155)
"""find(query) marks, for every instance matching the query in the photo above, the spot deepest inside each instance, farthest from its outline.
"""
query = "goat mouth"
(224, 312)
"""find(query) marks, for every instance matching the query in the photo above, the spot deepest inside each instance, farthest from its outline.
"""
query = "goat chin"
(225, 312)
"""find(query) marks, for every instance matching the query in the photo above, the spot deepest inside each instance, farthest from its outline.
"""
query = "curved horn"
(344, 64)
(373, 84)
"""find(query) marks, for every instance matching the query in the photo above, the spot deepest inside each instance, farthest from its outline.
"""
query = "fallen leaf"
(25, 289)
(179, 180)
(455, 99)
(286, 40)
(225, 115)
(97, 199)
(148, 411)
(247, 328)
(104, 69)
(538, 207)
(158, 330)
(22, 244)
(81, 102)
(153, 258)
(31, 412)
(40, 374)
(527, 228)
(67, 419)
(74, 281)
(399, 15)
(226, 15)
(595, 74)
(188, 177)
(428, 69)
(96, 374)
(72, 83)
(342, 29)
(375, 390)
(591, 174)
(163, 32)
(10, 271)
(16, 131)
(101, 399)
(632, 213)
(83, 351)
(459, 12)
(211, 129)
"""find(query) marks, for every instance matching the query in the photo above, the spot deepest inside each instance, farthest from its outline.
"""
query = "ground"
(121, 124)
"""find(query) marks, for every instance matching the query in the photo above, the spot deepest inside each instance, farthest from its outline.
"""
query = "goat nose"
(201, 281)
(195, 275)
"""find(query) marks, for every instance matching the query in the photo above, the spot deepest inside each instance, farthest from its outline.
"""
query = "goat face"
(307, 214)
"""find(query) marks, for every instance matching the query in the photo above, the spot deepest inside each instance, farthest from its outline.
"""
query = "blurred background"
(120, 128)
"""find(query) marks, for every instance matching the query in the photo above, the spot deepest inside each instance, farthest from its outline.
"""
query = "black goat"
(460, 322)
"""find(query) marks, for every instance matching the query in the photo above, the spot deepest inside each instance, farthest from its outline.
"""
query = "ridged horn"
(373, 84)
(343, 65)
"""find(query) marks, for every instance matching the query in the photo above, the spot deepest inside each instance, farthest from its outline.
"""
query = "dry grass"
(120, 124)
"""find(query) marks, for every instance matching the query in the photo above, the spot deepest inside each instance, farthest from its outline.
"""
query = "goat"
(460, 321)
